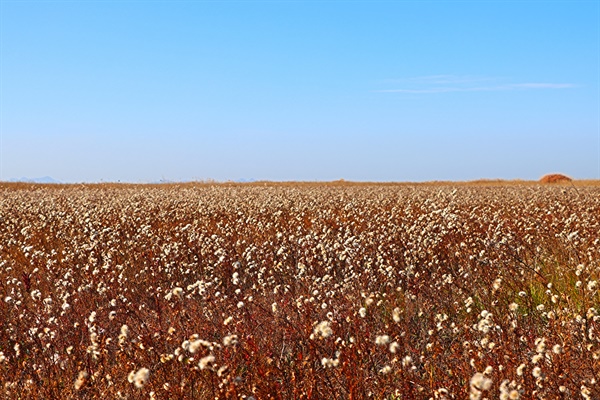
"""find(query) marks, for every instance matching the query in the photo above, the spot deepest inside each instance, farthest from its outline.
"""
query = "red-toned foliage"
(555, 178)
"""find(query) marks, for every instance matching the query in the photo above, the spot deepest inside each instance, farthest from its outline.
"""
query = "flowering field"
(299, 291)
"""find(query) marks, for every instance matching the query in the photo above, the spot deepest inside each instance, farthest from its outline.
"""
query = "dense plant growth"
(299, 291)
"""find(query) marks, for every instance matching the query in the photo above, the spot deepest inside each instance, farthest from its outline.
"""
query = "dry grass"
(299, 290)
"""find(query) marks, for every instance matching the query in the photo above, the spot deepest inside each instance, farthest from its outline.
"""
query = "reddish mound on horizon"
(555, 178)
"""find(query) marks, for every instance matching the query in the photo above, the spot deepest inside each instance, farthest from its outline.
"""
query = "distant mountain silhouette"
(161, 181)
(43, 179)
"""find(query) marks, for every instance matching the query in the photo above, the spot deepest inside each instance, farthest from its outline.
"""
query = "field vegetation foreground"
(307, 291)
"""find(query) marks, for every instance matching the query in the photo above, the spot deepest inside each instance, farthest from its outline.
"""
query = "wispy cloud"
(541, 86)
(452, 83)
(442, 80)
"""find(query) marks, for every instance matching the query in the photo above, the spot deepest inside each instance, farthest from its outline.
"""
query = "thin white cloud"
(437, 90)
(542, 86)
(452, 83)
(442, 80)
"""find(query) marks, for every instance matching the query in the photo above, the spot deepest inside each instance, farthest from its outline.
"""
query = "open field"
(300, 290)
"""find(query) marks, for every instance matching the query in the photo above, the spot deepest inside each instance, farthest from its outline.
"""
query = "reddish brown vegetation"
(299, 291)
(555, 178)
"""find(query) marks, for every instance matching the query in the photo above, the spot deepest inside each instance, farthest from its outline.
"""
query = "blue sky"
(299, 90)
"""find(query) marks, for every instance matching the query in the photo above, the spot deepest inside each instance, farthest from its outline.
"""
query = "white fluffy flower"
(206, 361)
(141, 377)
(323, 329)
(382, 340)
(480, 382)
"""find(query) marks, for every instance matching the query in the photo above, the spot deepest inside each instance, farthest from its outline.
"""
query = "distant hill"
(43, 179)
